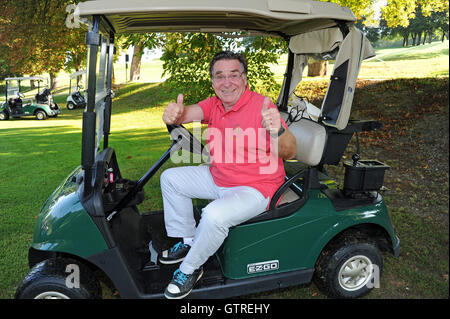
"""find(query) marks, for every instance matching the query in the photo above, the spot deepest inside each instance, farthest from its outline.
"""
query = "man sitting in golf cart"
(239, 180)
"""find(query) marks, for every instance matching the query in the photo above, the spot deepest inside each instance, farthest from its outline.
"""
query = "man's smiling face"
(229, 81)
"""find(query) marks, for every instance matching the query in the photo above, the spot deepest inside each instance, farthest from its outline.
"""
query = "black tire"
(55, 279)
(348, 268)
(4, 115)
(40, 115)
(70, 106)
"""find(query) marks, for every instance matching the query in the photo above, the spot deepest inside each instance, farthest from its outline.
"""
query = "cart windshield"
(101, 90)
(12, 89)
(76, 81)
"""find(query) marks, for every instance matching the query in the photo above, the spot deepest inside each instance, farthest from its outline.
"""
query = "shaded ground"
(415, 144)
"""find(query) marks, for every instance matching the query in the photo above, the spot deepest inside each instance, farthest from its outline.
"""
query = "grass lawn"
(409, 95)
(430, 60)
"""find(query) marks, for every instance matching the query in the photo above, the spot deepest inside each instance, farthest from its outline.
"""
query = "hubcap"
(355, 273)
(51, 295)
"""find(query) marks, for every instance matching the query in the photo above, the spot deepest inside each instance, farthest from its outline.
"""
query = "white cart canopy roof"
(284, 17)
(77, 73)
(31, 78)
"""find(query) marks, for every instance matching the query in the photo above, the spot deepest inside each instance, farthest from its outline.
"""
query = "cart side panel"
(276, 245)
(293, 242)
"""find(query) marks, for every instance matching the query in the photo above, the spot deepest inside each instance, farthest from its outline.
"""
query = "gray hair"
(228, 55)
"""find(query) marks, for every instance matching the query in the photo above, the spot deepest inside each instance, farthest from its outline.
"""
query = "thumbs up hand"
(271, 119)
(173, 112)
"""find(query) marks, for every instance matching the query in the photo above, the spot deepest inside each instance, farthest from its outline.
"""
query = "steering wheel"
(185, 140)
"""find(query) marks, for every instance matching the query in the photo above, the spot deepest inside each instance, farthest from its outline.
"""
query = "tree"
(186, 58)
(6, 15)
(139, 42)
(416, 26)
(441, 20)
(37, 40)
(400, 12)
(420, 28)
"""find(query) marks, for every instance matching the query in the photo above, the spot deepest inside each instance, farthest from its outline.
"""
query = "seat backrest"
(311, 138)
(317, 143)
(15, 102)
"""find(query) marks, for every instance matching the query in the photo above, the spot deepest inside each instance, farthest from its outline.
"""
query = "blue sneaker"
(175, 254)
(182, 284)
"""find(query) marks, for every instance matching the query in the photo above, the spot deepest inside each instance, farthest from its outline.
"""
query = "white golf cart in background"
(76, 99)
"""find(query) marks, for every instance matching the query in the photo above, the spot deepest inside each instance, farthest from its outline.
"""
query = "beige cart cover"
(352, 50)
(337, 104)
(311, 136)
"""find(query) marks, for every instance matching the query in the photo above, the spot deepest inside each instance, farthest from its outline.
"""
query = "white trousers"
(230, 207)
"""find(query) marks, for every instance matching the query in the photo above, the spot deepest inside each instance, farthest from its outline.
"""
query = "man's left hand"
(271, 119)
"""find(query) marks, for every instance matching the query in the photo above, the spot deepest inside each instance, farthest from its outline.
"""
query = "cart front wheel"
(3, 116)
(348, 270)
(59, 278)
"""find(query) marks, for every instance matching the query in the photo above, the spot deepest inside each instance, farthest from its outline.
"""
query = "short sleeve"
(206, 106)
(284, 124)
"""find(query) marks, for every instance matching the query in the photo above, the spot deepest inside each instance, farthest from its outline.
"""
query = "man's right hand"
(173, 113)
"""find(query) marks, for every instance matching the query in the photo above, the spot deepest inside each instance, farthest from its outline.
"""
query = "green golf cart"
(18, 103)
(313, 230)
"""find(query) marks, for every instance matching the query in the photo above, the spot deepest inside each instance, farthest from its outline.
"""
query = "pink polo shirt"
(240, 148)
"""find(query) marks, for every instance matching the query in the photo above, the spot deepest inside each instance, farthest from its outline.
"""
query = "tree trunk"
(135, 71)
(53, 81)
(113, 80)
(79, 79)
(317, 68)
(419, 38)
(405, 38)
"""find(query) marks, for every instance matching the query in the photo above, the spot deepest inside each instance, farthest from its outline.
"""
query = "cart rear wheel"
(348, 270)
(59, 279)
(41, 115)
(70, 105)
